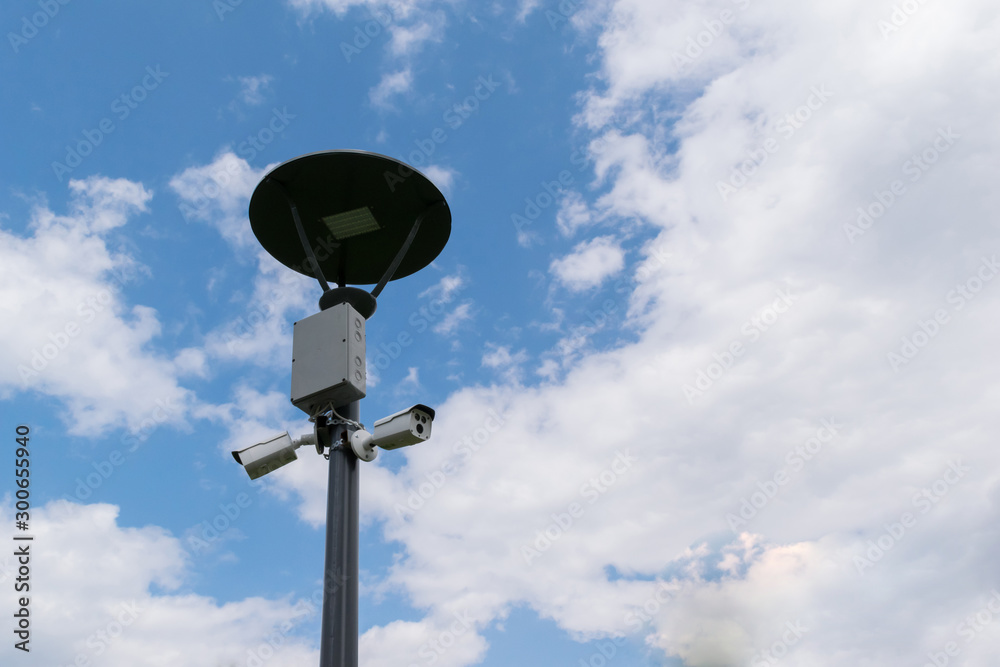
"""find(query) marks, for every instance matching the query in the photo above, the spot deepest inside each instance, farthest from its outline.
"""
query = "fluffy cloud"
(408, 40)
(796, 449)
(573, 214)
(454, 319)
(589, 263)
(66, 330)
(797, 446)
(391, 85)
(499, 358)
(218, 194)
(109, 594)
(443, 177)
(254, 88)
(445, 289)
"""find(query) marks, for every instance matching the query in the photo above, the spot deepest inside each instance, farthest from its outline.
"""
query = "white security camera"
(268, 456)
(404, 428)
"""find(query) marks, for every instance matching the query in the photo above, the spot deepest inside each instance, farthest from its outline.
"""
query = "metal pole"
(339, 630)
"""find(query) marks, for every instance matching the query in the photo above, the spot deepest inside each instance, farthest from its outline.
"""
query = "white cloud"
(639, 477)
(66, 330)
(253, 89)
(820, 354)
(446, 288)
(500, 358)
(408, 40)
(450, 641)
(262, 334)
(453, 320)
(549, 369)
(527, 238)
(589, 263)
(129, 604)
(191, 361)
(391, 85)
(525, 9)
(412, 379)
(574, 214)
(442, 177)
(219, 194)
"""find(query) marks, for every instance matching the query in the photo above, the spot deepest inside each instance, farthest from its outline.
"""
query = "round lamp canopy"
(357, 211)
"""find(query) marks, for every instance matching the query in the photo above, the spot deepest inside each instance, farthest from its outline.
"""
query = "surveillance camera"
(404, 428)
(268, 456)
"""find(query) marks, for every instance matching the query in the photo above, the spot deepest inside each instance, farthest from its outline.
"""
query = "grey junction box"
(328, 359)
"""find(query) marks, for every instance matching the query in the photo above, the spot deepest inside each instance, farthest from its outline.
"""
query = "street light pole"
(339, 630)
(376, 227)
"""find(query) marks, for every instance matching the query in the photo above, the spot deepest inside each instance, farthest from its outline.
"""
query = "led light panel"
(351, 223)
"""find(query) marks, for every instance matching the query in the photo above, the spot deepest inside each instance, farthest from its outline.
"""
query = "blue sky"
(712, 344)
